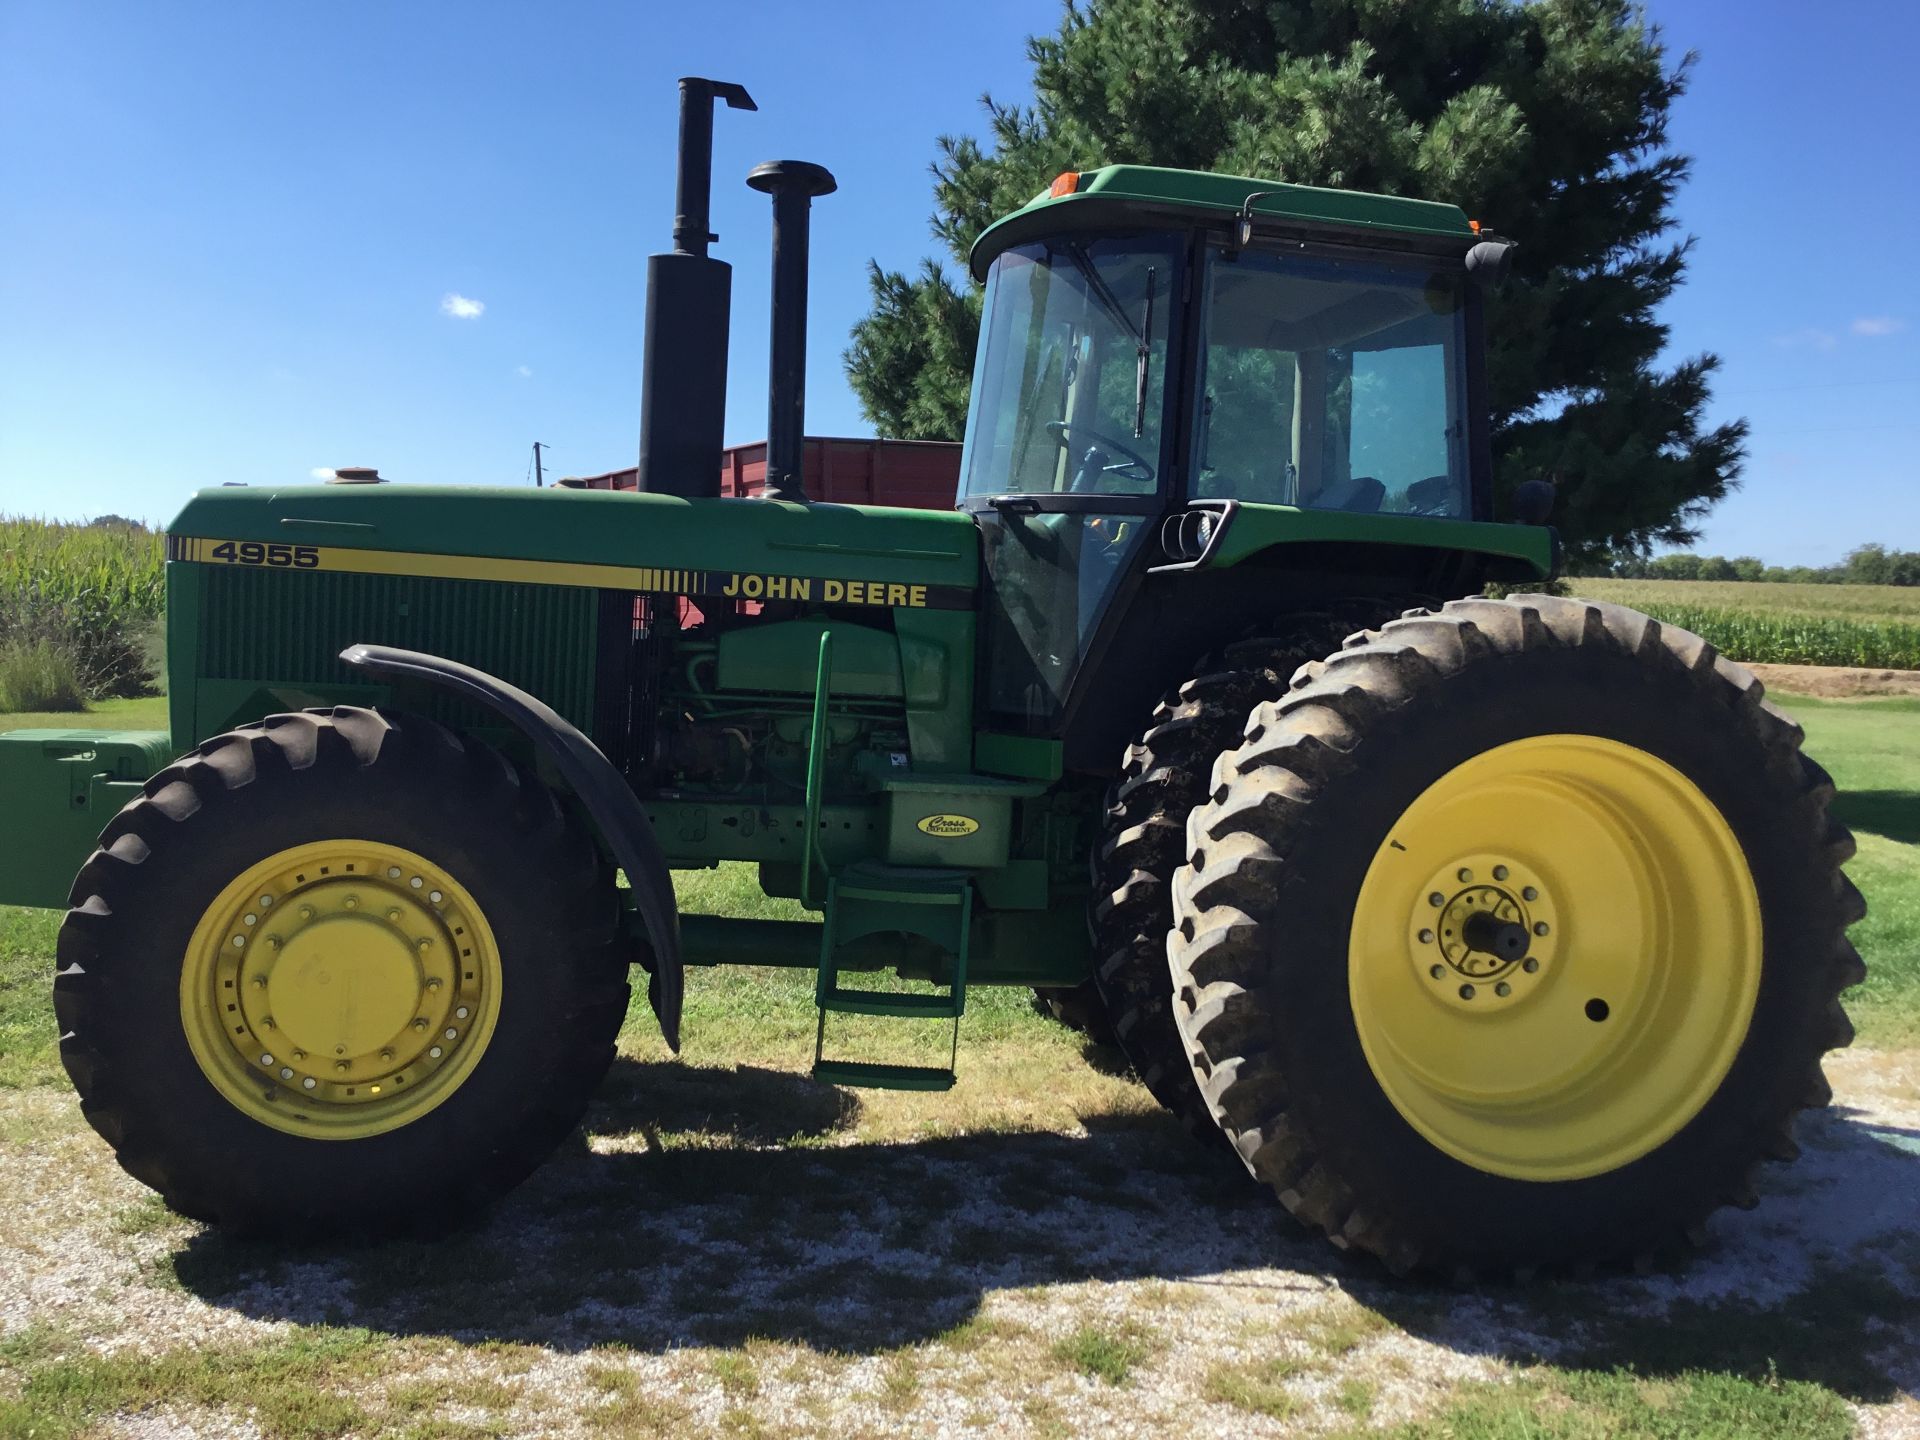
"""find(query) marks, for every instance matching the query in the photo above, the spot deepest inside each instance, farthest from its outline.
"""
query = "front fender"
(609, 801)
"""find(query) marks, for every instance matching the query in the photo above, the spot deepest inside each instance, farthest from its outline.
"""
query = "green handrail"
(816, 765)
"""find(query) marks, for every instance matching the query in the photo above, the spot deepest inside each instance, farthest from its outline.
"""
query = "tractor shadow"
(1891, 814)
(716, 1205)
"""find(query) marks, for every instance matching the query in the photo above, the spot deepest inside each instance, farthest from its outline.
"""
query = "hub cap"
(1554, 957)
(340, 989)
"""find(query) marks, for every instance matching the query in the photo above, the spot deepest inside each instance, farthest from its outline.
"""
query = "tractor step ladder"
(884, 899)
(872, 899)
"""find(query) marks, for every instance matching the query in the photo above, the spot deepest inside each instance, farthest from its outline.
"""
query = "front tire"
(1658, 915)
(341, 971)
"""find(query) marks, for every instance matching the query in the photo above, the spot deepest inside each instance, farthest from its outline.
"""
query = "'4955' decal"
(256, 552)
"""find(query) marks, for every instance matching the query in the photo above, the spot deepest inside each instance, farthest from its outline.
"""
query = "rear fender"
(609, 802)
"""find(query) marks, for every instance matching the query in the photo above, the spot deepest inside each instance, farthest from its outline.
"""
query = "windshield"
(1333, 384)
(1069, 388)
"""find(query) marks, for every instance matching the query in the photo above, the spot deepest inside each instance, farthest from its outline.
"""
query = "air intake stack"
(793, 185)
(683, 388)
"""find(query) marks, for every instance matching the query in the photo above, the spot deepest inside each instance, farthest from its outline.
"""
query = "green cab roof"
(1116, 194)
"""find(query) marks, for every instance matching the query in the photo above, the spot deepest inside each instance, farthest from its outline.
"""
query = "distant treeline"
(1868, 565)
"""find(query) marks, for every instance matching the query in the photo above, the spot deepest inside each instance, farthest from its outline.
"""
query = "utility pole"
(538, 479)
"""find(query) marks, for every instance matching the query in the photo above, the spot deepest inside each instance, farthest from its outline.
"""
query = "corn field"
(94, 593)
(1873, 631)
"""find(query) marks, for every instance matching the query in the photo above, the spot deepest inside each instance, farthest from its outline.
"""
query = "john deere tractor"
(1488, 933)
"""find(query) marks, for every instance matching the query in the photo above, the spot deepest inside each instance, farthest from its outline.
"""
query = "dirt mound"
(1838, 682)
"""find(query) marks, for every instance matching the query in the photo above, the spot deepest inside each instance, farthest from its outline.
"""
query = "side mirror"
(1533, 501)
(1489, 261)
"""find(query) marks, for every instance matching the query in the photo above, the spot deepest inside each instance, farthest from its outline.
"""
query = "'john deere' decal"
(658, 580)
(948, 827)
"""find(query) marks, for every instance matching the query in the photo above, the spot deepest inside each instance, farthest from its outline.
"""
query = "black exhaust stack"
(683, 388)
(793, 185)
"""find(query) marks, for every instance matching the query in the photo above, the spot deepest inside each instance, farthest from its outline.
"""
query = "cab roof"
(1147, 194)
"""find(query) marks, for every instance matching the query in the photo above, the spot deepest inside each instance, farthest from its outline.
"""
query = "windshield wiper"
(1145, 336)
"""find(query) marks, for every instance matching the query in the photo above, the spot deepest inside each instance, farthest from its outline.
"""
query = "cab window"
(1334, 385)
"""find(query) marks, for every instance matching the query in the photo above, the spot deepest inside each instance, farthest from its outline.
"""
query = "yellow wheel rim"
(340, 989)
(1620, 1017)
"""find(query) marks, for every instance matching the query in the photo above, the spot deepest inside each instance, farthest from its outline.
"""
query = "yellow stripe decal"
(724, 584)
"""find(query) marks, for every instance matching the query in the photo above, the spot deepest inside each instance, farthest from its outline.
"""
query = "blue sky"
(229, 234)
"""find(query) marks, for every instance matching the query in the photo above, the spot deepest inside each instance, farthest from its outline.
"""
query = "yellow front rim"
(1623, 1014)
(340, 989)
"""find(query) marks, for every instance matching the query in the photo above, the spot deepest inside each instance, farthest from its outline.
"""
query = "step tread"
(873, 1076)
(887, 1002)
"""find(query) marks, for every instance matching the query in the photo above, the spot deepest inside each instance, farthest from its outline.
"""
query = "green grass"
(1582, 1405)
(1872, 749)
(1104, 1353)
(148, 712)
(1875, 626)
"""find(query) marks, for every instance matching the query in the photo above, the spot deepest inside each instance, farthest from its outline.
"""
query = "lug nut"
(423, 943)
(393, 872)
(1530, 965)
(1437, 971)
(1466, 992)
(341, 1065)
(386, 1054)
(352, 902)
(1539, 927)
(393, 915)
(309, 1082)
(306, 912)
(273, 942)
(452, 1034)
(260, 982)
(416, 882)
(1503, 989)
(1465, 875)
(421, 1023)
(433, 982)
(1426, 937)
(1499, 872)
(435, 896)
(286, 1073)
(1436, 899)
(266, 1059)
(1529, 893)
(268, 1022)
(436, 1052)
(461, 1013)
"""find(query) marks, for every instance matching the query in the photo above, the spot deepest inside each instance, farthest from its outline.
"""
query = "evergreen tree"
(1546, 120)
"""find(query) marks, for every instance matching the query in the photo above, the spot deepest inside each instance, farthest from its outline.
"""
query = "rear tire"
(1143, 838)
(1442, 1106)
(494, 921)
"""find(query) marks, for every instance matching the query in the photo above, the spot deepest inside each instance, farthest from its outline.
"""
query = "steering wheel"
(1133, 467)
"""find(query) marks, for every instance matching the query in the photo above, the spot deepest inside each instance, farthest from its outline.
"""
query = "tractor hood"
(743, 549)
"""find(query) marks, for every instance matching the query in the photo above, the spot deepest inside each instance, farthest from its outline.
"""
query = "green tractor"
(1490, 934)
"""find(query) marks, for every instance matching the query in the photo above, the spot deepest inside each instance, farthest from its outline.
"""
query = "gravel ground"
(937, 1286)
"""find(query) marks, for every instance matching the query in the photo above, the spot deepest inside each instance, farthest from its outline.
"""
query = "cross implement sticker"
(648, 579)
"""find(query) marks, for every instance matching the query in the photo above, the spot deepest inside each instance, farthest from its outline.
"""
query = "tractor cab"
(1158, 341)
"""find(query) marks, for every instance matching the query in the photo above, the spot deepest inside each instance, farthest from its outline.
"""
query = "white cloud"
(321, 472)
(525, 372)
(1818, 339)
(460, 307)
(1877, 325)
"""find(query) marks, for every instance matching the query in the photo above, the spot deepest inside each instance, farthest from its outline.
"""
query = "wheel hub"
(1483, 932)
(340, 989)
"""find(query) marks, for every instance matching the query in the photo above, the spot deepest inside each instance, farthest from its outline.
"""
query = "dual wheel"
(1508, 936)
(339, 971)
